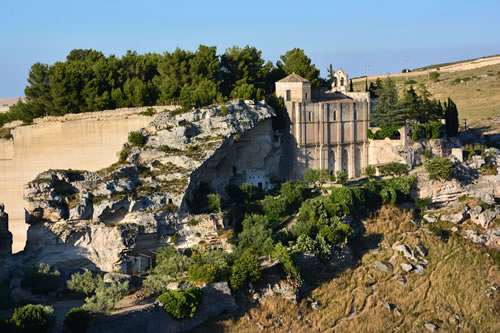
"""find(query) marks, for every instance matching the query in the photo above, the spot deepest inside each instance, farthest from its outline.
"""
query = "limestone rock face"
(99, 219)
(466, 181)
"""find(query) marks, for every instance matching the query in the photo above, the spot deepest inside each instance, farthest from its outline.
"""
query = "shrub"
(427, 154)
(40, 280)
(83, 283)
(182, 304)
(223, 110)
(219, 259)
(342, 177)
(156, 283)
(202, 273)
(33, 318)
(246, 267)
(136, 138)
(256, 235)
(439, 168)
(106, 296)
(422, 203)
(395, 169)
(274, 208)
(434, 76)
(291, 269)
(293, 192)
(370, 172)
(214, 202)
(77, 320)
(193, 222)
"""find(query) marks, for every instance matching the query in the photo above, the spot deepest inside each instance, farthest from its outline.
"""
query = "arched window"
(341, 81)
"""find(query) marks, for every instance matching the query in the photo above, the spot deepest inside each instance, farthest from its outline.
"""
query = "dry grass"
(456, 281)
(477, 94)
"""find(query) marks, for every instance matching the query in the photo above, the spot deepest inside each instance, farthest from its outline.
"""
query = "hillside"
(473, 85)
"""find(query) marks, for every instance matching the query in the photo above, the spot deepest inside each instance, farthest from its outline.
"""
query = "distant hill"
(5, 103)
(474, 85)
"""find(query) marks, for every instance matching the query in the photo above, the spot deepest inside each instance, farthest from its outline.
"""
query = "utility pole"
(367, 67)
(406, 61)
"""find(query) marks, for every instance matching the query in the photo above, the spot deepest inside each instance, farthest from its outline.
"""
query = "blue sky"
(348, 34)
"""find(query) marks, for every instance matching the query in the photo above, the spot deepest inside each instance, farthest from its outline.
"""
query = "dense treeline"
(89, 81)
(391, 112)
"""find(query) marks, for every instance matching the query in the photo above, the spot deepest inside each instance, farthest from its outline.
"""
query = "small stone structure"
(328, 129)
(5, 234)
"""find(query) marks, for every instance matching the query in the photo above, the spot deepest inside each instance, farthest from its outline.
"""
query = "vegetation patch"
(182, 304)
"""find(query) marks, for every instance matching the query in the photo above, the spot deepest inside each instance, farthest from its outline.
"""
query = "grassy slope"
(455, 282)
(477, 99)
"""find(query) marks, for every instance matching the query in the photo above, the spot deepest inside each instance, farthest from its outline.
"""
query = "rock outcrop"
(99, 219)
(152, 318)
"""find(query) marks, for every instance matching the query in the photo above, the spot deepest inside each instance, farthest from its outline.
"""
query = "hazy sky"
(348, 34)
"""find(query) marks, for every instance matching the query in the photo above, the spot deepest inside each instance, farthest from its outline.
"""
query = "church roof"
(293, 78)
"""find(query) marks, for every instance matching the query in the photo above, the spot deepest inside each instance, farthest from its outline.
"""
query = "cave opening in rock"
(199, 202)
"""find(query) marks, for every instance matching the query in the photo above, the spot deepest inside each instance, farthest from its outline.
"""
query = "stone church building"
(328, 128)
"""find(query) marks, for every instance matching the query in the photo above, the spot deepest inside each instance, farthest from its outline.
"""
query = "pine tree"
(388, 109)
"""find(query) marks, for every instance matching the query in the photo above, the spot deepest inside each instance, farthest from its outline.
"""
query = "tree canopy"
(89, 81)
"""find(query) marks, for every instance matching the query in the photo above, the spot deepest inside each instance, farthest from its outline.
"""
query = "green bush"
(370, 171)
(83, 283)
(246, 267)
(106, 296)
(427, 154)
(434, 76)
(256, 235)
(217, 258)
(33, 318)
(77, 320)
(202, 273)
(182, 304)
(274, 208)
(342, 177)
(136, 138)
(439, 168)
(214, 202)
(290, 267)
(40, 280)
(223, 110)
(395, 169)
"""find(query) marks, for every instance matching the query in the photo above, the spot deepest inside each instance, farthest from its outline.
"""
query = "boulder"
(404, 250)
(485, 218)
(407, 267)
(116, 277)
(456, 218)
(381, 266)
(431, 218)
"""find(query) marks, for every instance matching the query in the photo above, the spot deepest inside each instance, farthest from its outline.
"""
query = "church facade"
(328, 128)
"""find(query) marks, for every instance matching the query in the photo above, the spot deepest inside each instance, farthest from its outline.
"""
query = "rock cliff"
(148, 198)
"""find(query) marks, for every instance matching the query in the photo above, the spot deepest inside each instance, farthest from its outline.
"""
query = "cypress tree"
(351, 89)
(451, 116)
